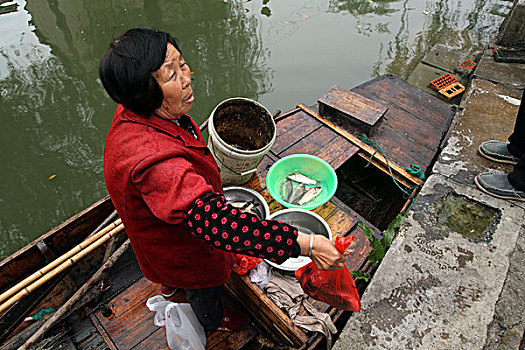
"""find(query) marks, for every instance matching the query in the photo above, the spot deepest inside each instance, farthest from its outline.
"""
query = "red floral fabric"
(212, 219)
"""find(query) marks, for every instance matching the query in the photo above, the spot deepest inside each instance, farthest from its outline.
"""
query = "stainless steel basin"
(244, 194)
(306, 222)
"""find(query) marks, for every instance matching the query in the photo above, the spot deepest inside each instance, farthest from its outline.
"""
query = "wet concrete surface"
(423, 74)
(442, 57)
(500, 72)
(487, 112)
(437, 288)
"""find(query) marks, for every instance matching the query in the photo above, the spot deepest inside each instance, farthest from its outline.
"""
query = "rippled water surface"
(55, 113)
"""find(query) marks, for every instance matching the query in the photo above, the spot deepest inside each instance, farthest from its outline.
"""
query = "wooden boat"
(113, 313)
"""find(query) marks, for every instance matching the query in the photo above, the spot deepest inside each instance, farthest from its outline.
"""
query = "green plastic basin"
(306, 164)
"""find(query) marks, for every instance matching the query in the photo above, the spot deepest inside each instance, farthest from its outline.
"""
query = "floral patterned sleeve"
(212, 219)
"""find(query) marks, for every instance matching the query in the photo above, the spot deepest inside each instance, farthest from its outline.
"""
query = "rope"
(416, 171)
(413, 169)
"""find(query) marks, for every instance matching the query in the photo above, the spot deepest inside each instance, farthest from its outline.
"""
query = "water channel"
(55, 114)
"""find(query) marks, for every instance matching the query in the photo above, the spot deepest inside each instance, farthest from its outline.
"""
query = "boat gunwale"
(32, 250)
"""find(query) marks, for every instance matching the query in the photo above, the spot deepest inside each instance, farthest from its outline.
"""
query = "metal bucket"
(241, 132)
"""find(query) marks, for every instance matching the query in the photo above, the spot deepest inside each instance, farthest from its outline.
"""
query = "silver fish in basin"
(301, 179)
(297, 193)
(309, 195)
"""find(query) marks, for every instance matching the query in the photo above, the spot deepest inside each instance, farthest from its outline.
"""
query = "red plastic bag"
(244, 263)
(336, 288)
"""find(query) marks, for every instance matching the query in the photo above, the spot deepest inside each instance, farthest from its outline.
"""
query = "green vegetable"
(361, 275)
(379, 246)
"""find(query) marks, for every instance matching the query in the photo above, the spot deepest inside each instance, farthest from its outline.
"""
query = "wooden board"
(356, 109)
(420, 104)
(300, 133)
(412, 128)
(325, 144)
(131, 323)
(60, 239)
(374, 152)
(292, 129)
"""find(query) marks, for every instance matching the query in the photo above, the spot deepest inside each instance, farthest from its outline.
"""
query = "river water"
(55, 114)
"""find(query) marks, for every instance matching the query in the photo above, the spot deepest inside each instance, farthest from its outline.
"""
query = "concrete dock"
(454, 277)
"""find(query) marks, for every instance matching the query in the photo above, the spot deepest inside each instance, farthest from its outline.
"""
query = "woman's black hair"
(126, 69)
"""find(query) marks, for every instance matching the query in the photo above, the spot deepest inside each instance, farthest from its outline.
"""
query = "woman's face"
(174, 78)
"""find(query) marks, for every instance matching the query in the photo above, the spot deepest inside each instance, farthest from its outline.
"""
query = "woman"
(166, 186)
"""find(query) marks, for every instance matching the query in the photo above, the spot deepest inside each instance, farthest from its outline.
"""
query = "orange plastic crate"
(442, 82)
(452, 90)
(467, 65)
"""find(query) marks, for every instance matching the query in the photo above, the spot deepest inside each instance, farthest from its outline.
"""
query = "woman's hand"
(324, 254)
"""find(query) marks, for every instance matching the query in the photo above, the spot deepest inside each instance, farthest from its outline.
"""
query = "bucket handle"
(233, 171)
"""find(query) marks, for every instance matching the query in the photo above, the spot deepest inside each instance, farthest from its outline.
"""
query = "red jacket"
(153, 171)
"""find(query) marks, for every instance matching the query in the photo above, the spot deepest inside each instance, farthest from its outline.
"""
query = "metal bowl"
(306, 222)
(244, 194)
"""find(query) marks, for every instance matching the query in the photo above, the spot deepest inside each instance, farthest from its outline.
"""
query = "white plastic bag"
(260, 275)
(183, 329)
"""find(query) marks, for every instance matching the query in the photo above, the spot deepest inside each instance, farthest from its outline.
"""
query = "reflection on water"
(55, 113)
(362, 7)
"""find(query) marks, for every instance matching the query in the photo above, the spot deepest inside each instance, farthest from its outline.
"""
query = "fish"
(286, 189)
(297, 193)
(309, 195)
(250, 205)
(246, 206)
(302, 179)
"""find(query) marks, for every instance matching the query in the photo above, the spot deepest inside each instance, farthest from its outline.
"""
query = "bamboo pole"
(101, 272)
(104, 223)
(61, 267)
(40, 273)
(368, 149)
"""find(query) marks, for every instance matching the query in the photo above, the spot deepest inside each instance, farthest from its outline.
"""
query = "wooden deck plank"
(325, 144)
(413, 127)
(415, 101)
(156, 341)
(102, 331)
(139, 292)
(400, 150)
(235, 340)
(131, 324)
(311, 143)
(292, 129)
(338, 153)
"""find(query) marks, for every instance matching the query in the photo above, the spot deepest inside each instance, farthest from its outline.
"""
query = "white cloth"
(286, 292)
